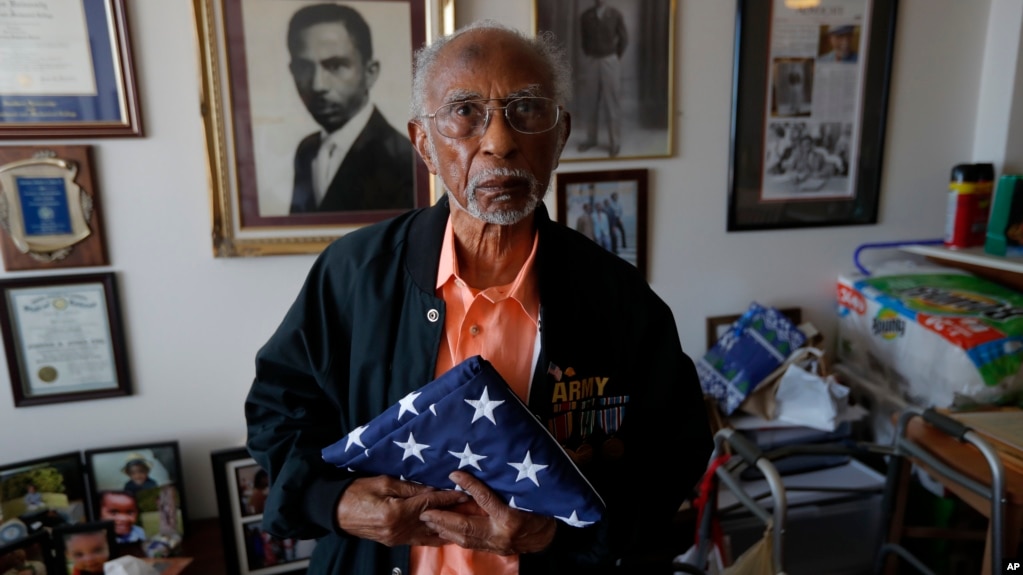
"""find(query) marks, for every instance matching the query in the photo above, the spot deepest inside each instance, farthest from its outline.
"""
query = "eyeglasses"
(470, 118)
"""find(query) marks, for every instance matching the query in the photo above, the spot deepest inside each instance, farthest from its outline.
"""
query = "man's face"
(502, 175)
(330, 74)
(841, 45)
(122, 510)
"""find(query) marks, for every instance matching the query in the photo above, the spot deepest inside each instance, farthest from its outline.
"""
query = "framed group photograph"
(139, 487)
(63, 338)
(622, 58)
(610, 208)
(44, 492)
(67, 70)
(84, 548)
(302, 149)
(28, 556)
(241, 487)
(809, 106)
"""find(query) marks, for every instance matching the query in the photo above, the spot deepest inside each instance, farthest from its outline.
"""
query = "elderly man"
(387, 308)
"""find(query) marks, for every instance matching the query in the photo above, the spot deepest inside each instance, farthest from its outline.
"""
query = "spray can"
(969, 202)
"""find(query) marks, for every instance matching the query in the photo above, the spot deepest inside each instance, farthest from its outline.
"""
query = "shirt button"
(433, 315)
(396, 571)
(475, 330)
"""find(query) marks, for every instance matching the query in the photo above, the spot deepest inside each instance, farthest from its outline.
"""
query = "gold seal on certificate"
(42, 207)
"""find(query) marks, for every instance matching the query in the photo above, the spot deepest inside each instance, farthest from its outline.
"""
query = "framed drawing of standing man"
(621, 53)
(305, 106)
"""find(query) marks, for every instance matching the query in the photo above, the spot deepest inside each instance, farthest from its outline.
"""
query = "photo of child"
(121, 508)
(151, 475)
(86, 552)
(28, 558)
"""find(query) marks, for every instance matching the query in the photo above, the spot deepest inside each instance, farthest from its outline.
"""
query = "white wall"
(194, 322)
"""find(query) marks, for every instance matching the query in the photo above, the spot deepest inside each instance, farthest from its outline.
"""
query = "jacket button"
(396, 570)
(432, 315)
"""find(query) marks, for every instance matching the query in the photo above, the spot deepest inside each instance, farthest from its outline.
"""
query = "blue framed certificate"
(67, 70)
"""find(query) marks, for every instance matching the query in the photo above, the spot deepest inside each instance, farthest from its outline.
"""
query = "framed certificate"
(67, 70)
(63, 338)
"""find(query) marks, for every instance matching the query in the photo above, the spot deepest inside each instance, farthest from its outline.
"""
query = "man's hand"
(499, 529)
(386, 510)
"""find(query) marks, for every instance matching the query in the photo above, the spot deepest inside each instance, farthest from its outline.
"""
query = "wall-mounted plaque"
(49, 209)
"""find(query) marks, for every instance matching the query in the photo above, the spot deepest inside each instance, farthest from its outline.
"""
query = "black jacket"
(378, 173)
(365, 331)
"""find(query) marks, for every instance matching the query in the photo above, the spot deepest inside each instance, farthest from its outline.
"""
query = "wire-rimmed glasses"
(470, 118)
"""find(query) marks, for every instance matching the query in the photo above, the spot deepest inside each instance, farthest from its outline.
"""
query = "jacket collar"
(426, 232)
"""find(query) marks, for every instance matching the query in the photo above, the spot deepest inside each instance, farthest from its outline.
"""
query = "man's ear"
(417, 133)
(372, 73)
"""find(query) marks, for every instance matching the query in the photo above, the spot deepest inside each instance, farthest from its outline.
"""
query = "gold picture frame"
(254, 119)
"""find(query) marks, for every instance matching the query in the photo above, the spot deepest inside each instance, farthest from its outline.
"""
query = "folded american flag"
(468, 418)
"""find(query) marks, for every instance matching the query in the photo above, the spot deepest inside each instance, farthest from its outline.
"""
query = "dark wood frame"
(746, 210)
(639, 177)
(120, 454)
(72, 471)
(120, 66)
(60, 535)
(12, 344)
(233, 520)
(45, 549)
(92, 251)
(239, 229)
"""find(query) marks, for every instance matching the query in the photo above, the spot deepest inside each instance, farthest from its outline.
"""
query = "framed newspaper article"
(808, 112)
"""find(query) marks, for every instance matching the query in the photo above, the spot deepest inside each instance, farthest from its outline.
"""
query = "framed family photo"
(610, 208)
(622, 58)
(141, 483)
(42, 492)
(83, 548)
(64, 339)
(28, 556)
(67, 70)
(298, 154)
(809, 108)
(241, 487)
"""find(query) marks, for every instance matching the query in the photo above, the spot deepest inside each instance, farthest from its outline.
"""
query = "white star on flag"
(511, 503)
(407, 403)
(412, 448)
(467, 457)
(527, 469)
(434, 420)
(574, 521)
(356, 437)
(484, 407)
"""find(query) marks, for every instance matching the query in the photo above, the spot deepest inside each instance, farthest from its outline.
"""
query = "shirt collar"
(345, 136)
(523, 289)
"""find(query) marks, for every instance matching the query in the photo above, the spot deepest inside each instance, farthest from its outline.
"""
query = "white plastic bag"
(809, 400)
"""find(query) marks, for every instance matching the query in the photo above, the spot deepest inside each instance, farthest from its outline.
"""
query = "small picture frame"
(248, 549)
(40, 493)
(586, 199)
(63, 338)
(30, 555)
(83, 549)
(146, 475)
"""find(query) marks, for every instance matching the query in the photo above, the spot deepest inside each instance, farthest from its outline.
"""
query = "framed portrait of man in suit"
(621, 52)
(305, 105)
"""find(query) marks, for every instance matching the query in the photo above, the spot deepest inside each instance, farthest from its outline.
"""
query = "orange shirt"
(501, 324)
